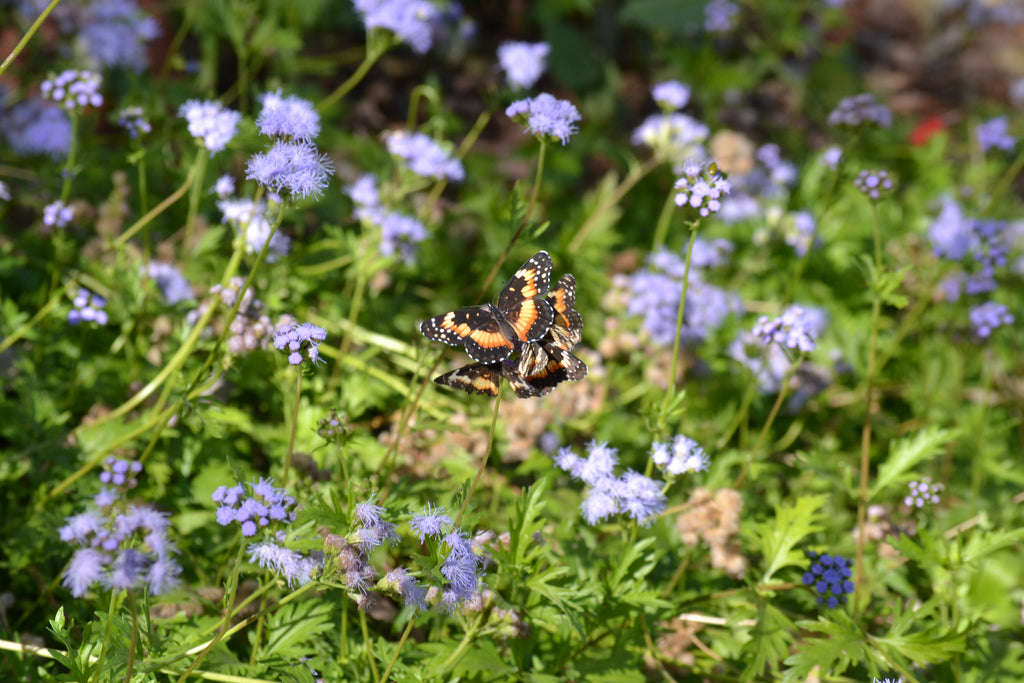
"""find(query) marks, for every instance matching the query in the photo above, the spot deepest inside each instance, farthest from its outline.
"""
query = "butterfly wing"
(567, 326)
(475, 378)
(522, 300)
(486, 339)
(544, 366)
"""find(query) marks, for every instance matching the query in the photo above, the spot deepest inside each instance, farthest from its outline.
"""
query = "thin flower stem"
(295, 424)
(199, 166)
(376, 46)
(398, 649)
(634, 176)
(133, 610)
(783, 392)
(467, 144)
(467, 639)
(664, 220)
(28, 36)
(483, 461)
(69, 165)
(353, 312)
(258, 636)
(111, 609)
(670, 390)
(158, 209)
(55, 299)
(1003, 183)
(368, 644)
(741, 415)
(865, 438)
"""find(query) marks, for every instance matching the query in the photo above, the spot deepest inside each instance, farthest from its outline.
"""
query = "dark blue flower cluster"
(829, 575)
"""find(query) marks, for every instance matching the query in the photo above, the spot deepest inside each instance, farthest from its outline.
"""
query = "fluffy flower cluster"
(701, 188)
(88, 308)
(681, 456)
(133, 120)
(294, 336)
(250, 218)
(295, 168)
(994, 134)
(523, 63)
(859, 110)
(210, 123)
(797, 328)
(73, 89)
(988, 317)
(224, 187)
(720, 15)
(409, 20)
(980, 246)
(424, 157)
(546, 116)
(121, 546)
(631, 493)
(829, 575)
(671, 95)
(399, 232)
(759, 179)
(657, 289)
(57, 214)
(264, 505)
(923, 493)
(874, 183)
(288, 117)
(675, 137)
(35, 127)
(169, 280)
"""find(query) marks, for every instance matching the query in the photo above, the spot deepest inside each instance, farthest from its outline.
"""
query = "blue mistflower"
(546, 115)
(57, 214)
(88, 307)
(172, 284)
(676, 137)
(406, 586)
(701, 188)
(874, 183)
(993, 134)
(399, 234)
(288, 117)
(988, 317)
(523, 63)
(35, 127)
(133, 120)
(297, 168)
(116, 32)
(681, 456)
(671, 95)
(797, 328)
(923, 493)
(461, 569)
(250, 218)
(829, 576)
(432, 522)
(859, 110)
(719, 16)
(409, 20)
(951, 233)
(292, 566)
(74, 89)
(224, 187)
(294, 336)
(424, 157)
(373, 530)
(264, 506)
(631, 493)
(210, 122)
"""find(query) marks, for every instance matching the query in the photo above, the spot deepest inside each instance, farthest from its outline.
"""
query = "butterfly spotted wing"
(544, 365)
(492, 332)
(567, 326)
(478, 378)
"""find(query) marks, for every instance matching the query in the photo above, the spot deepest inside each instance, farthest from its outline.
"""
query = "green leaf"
(844, 644)
(290, 629)
(778, 537)
(673, 17)
(905, 454)
(981, 545)
(931, 643)
(772, 637)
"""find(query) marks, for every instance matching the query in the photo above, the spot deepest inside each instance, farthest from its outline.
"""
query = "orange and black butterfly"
(480, 378)
(492, 332)
(567, 327)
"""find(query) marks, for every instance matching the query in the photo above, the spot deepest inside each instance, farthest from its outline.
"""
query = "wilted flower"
(546, 115)
(210, 122)
(523, 63)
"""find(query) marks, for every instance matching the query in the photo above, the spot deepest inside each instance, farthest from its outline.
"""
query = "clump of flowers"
(994, 134)
(923, 493)
(288, 117)
(681, 456)
(859, 110)
(829, 576)
(409, 20)
(399, 232)
(250, 218)
(796, 328)
(73, 89)
(989, 317)
(34, 127)
(671, 95)
(759, 178)
(981, 246)
(675, 137)
(334, 426)
(714, 517)
(874, 183)
(133, 120)
(88, 308)
(630, 493)
(224, 187)
(295, 168)
(720, 15)
(210, 123)
(251, 328)
(546, 116)
(171, 283)
(424, 157)
(523, 63)
(120, 545)
(58, 214)
(701, 188)
(295, 336)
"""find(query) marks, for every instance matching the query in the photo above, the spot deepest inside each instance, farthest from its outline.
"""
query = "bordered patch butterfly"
(492, 332)
(567, 327)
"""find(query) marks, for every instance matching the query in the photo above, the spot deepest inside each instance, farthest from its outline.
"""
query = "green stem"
(1004, 181)
(398, 649)
(483, 461)
(772, 414)
(467, 639)
(664, 220)
(368, 644)
(157, 210)
(741, 414)
(199, 166)
(635, 175)
(670, 389)
(69, 165)
(464, 147)
(376, 46)
(55, 299)
(107, 630)
(295, 424)
(28, 36)
(134, 639)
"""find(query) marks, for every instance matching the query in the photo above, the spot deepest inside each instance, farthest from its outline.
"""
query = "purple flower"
(993, 134)
(873, 183)
(250, 218)
(923, 493)
(406, 586)
(545, 115)
(133, 120)
(297, 168)
(640, 497)
(951, 233)
(799, 231)
(671, 95)
(830, 577)
(374, 530)
(171, 283)
(288, 117)
(424, 157)
(224, 187)
(681, 456)
(57, 214)
(73, 89)
(34, 127)
(701, 188)
(290, 565)
(858, 110)
(677, 137)
(210, 122)
(719, 16)
(797, 328)
(433, 522)
(832, 155)
(988, 317)
(295, 335)
(461, 569)
(523, 63)
(634, 494)
(363, 191)
(115, 33)
(87, 566)
(399, 234)
(265, 507)
(88, 307)
(409, 20)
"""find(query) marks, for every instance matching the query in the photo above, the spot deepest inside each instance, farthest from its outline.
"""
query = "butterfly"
(492, 332)
(567, 326)
(481, 378)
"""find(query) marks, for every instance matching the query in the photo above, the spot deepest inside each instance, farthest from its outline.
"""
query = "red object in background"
(924, 130)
